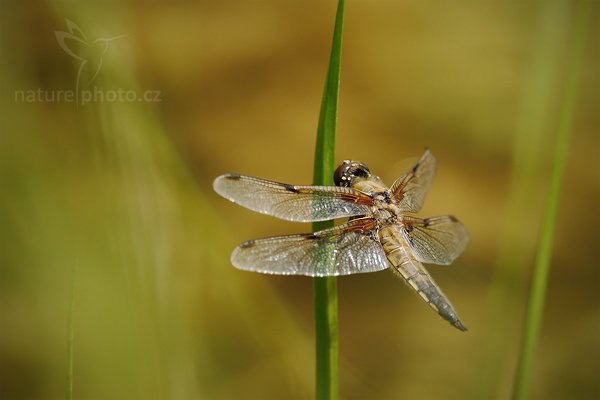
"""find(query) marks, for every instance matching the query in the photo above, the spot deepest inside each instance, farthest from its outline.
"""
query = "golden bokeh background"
(113, 198)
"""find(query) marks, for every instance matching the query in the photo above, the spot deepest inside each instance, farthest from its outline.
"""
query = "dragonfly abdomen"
(405, 265)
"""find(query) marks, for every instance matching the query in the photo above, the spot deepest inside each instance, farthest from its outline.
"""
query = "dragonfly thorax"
(384, 215)
(384, 209)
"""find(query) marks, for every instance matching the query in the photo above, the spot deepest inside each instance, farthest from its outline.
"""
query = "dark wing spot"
(453, 218)
(311, 236)
(415, 168)
(426, 222)
(247, 244)
(234, 177)
(291, 188)
(408, 227)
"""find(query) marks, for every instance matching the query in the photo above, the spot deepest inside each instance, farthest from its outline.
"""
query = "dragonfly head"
(349, 171)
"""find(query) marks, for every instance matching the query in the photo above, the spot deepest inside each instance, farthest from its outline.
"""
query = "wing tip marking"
(247, 244)
(291, 188)
(232, 176)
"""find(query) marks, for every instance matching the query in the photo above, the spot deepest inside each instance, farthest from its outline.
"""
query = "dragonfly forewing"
(290, 202)
(410, 189)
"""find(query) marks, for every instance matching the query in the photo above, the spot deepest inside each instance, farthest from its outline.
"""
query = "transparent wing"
(346, 249)
(410, 189)
(293, 203)
(437, 240)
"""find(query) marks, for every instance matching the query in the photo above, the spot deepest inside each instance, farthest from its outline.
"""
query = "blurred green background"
(115, 196)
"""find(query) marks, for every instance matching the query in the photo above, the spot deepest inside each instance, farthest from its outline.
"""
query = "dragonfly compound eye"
(348, 171)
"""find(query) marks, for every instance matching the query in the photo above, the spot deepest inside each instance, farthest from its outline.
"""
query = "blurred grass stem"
(70, 336)
(325, 288)
(542, 263)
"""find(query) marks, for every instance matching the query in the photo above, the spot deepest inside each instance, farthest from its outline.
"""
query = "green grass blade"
(70, 336)
(542, 264)
(325, 289)
(325, 147)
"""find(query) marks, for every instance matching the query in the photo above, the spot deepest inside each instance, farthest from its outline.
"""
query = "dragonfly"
(381, 231)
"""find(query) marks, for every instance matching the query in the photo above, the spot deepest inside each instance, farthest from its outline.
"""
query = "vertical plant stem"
(325, 288)
(70, 336)
(536, 114)
(535, 307)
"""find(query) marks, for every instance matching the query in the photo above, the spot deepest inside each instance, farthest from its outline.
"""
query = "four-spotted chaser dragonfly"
(380, 231)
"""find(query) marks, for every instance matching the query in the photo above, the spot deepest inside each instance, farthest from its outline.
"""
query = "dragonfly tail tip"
(460, 326)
